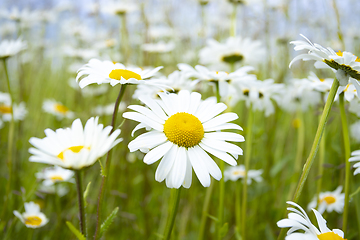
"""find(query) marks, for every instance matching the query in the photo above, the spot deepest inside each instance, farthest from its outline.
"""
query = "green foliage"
(73, 229)
(105, 225)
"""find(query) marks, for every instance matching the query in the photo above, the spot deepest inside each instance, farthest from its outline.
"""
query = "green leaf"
(213, 218)
(78, 234)
(86, 192)
(102, 172)
(354, 193)
(237, 234)
(118, 127)
(108, 221)
(224, 229)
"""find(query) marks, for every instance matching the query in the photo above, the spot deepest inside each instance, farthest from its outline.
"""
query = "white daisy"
(226, 80)
(234, 50)
(52, 175)
(299, 220)
(32, 217)
(60, 190)
(57, 109)
(182, 128)
(355, 158)
(118, 8)
(10, 48)
(75, 147)
(354, 106)
(355, 130)
(99, 72)
(5, 108)
(345, 64)
(329, 201)
(236, 172)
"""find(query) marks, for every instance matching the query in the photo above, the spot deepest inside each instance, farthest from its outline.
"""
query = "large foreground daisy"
(99, 72)
(299, 220)
(75, 147)
(183, 129)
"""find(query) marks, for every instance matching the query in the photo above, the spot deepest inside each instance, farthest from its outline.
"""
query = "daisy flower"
(234, 50)
(299, 220)
(5, 108)
(57, 109)
(118, 8)
(176, 81)
(225, 79)
(355, 158)
(52, 175)
(32, 217)
(329, 201)
(99, 72)
(345, 64)
(9, 48)
(355, 130)
(236, 172)
(354, 106)
(75, 147)
(182, 130)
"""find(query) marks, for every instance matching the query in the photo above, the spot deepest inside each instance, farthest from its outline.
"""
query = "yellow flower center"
(61, 108)
(33, 221)
(239, 173)
(296, 123)
(330, 236)
(184, 129)
(123, 73)
(322, 79)
(328, 199)
(56, 178)
(74, 149)
(339, 53)
(5, 109)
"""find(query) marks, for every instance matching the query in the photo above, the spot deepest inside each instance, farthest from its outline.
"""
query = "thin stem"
(315, 146)
(174, 205)
(79, 188)
(108, 161)
(9, 161)
(247, 163)
(233, 21)
(321, 166)
(238, 204)
(345, 131)
(205, 211)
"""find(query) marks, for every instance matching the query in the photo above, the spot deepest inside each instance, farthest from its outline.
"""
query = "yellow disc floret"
(61, 108)
(330, 236)
(5, 109)
(184, 129)
(74, 149)
(56, 178)
(123, 73)
(33, 220)
(328, 199)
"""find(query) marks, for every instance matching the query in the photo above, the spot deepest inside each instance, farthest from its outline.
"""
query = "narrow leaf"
(102, 172)
(73, 229)
(108, 221)
(86, 193)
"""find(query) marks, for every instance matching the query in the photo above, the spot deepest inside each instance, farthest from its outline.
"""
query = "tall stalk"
(315, 145)
(9, 161)
(108, 162)
(79, 188)
(173, 207)
(248, 147)
(345, 130)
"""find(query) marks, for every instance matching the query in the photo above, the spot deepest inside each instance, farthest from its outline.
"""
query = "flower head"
(299, 220)
(99, 72)
(236, 172)
(57, 109)
(182, 129)
(75, 147)
(19, 110)
(355, 158)
(52, 175)
(329, 201)
(9, 48)
(32, 217)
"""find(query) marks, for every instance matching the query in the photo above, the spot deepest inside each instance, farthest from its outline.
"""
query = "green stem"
(9, 161)
(238, 204)
(248, 141)
(345, 129)
(321, 166)
(108, 161)
(315, 146)
(233, 21)
(205, 211)
(174, 205)
(79, 188)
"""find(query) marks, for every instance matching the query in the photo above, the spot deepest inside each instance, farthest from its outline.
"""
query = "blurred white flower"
(32, 217)
(117, 7)
(9, 48)
(57, 109)
(355, 157)
(329, 201)
(236, 172)
(107, 109)
(5, 108)
(52, 175)
(159, 47)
